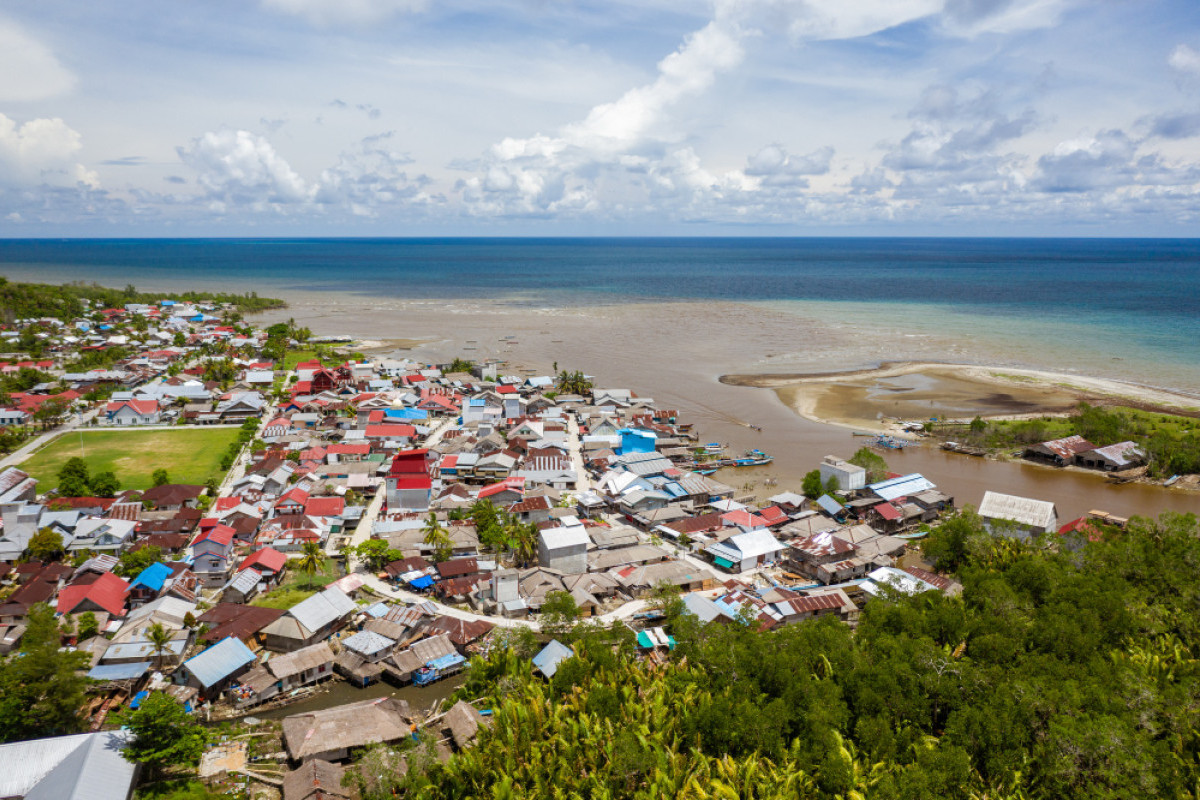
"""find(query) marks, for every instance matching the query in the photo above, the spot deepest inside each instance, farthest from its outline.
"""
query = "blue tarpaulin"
(138, 698)
(423, 582)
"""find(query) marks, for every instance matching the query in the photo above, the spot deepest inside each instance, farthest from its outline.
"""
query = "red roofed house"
(132, 412)
(292, 502)
(212, 554)
(390, 431)
(408, 481)
(325, 506)
(106, 593)
(509, 490)
(277, 427)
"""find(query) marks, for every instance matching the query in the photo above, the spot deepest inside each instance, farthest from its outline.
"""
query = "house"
(241, 622)
(84, 766)
(269, 562)
(242, 587)
(1059, 452)
(403, 663)
(1019, 517)
(551, 656)
(106, 593)
(564, 548)
(848, 476)
(362, 656)
(408, 482)
(309, 621)
(148, 583)
(132, 412)
(101, 535)
(747, 550)
(130, 645)
(317, 780)
(1114, 457)
(215, 668)
(283, 673)
(331, 733)
(173, 496)
(212, 553)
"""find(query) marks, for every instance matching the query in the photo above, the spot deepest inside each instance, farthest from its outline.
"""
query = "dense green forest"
(65, 302)
(1054, 675)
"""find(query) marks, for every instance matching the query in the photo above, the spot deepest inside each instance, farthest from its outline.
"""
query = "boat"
(955, 447)
(890, 442)
(1171, 480)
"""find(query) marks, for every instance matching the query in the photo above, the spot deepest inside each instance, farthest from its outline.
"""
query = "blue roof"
(829, 505)
(423, 582)
(674, 489)
(378, 610)
(551, 656)
(406, 413)
(138, 698)
(119, 672)
(153, 577)
(446, 661)
(219, 661)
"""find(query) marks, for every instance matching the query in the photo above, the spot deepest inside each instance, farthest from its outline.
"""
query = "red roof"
(515, 484)
(375, 416)
(296, 495)
(773, 515)
(325, 506)
(1084, 526)
(139, 406)
(107, 591)
(409, 462)
(887, 511)
(405, 481)
(743, 518)
(226, 503)
(221, 534)
(348, 449)
(268, 558)
(387, 431)
(506, 389)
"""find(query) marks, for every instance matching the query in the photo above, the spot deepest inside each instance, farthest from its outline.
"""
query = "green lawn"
(189, 455)
(297, 586)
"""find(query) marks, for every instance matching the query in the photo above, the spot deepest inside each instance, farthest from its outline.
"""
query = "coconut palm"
(160, 639)
(437, 537)
(311, 561)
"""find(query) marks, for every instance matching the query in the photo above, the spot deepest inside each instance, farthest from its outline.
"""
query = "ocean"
(1123, 308)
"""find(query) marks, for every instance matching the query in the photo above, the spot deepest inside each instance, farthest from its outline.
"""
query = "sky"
(570, 117)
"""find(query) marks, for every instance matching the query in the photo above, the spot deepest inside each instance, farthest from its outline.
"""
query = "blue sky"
(567, 117)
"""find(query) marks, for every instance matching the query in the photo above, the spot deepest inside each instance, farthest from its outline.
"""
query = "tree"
(872, 462)
(460, 365)
(573, 383)
(811, 486)
(978, 425)
(132, 562)
(73, 478)
(88, 626)
(42, 687)
(559, 612)
(45, 545)
(832, 485)
(159, 637)
(164, 734)
(437, 537)
(311, 561)
(160, 477)
(189, 620)
(374, 552)
(105, 484)
(51, 412)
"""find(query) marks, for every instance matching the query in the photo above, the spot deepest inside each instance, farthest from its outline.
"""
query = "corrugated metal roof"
(1022, 510)
(323, 608)
(551, 656)
(119, 672)
(86, 766)
(368, 643)
(903, 486)
(219, 661)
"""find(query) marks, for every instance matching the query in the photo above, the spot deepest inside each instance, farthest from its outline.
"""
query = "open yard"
(189, 455)
(298, 586)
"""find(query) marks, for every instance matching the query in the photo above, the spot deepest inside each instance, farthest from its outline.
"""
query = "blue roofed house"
(212, 670)
(637, 441)
(553, 654)
(148, 584)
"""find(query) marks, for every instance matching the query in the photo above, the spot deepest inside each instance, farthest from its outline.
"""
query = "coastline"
(1002, 393)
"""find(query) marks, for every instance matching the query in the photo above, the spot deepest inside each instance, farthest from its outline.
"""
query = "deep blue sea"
(1093, 300)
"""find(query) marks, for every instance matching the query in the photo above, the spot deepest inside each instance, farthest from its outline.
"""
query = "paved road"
(22, 453)
(583, 481)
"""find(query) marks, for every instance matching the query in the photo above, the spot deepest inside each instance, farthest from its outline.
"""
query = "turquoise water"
(1127, 308)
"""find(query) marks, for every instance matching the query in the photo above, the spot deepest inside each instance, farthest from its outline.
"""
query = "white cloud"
(345, 12)
(239, 168)
(1185, 59)
(41, 151)
(28, 69)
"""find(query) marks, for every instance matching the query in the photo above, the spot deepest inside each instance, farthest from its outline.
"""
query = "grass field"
(189, 455)
(297, 586)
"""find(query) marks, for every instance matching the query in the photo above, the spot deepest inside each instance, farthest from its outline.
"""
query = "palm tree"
(160, 639)
(525, 535)
(311, 561)
(437, 536)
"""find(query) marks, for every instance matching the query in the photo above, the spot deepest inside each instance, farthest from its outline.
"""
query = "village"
(373, 520)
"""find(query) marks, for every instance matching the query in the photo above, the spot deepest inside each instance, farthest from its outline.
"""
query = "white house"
(746, 550)
(849, 476)
(564, 548)
(1019, 517)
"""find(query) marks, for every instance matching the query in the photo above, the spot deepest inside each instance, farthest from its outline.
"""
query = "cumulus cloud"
(29, 70)
(1185, 59)
(371, 179)
(41, 151)
(1175, 126)
(344, 12)
(240, 168)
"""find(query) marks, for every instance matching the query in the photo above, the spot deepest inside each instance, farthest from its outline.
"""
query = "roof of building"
(384, 719)
(153, 577)
(322, 609)
(553, 654)
(284, 665)
(267, 558)
(902, 486)
(107, 591)
(316, 780)
(85, 766)
(219, 661)
(1067, 447)
(368, 643)
(1022, 510)
(237, 620)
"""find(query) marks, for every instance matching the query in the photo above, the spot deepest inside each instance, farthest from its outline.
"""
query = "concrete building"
(1019, 517)
(564, 548)
(848, 475)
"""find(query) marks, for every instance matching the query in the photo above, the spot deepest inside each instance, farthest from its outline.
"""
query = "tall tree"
(73, 478)
(311, 561)
(437, 537)
(159, 636)
(164, 734)
(45, 545)
(42, 686)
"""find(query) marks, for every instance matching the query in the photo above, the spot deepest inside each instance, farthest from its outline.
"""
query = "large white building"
(849, 476)
(1019, 517)
(564, 548)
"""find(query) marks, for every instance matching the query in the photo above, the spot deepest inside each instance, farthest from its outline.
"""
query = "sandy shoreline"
(872, 399)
